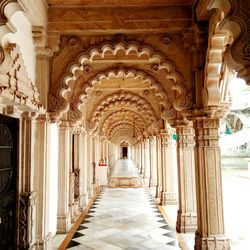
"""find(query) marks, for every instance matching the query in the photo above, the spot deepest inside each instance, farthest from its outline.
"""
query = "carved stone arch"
(107, 110)
(128, 115)
(124, 123)
(238, 23)
(119, 132)
(127, 52)
(119, 98)
(217, 41)
(118, 139)
(122, 101)
(128, 126)
(230, 29)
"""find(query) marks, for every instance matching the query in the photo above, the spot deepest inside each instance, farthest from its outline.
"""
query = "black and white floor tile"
(124, 218)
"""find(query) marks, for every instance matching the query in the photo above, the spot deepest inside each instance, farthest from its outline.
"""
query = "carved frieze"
(16, 88)
(207, 132)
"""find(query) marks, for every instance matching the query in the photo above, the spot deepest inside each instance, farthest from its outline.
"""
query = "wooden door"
(8, 182)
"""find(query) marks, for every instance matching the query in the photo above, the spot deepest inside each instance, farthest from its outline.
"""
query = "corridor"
(123, 218)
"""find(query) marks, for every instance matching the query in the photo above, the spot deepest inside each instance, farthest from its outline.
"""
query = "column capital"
(42, 118)
(207, 131)
(185, 136)
(64, 124)
(29, 115)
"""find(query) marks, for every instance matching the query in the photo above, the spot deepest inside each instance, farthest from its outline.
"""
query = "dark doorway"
(124, 152)
(8, 181)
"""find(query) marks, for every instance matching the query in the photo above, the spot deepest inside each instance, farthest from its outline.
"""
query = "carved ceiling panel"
(108, 75)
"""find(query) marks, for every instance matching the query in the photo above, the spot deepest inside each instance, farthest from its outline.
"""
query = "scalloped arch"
(126, 115)
(124, 123)
(134, 50)
(122, 98)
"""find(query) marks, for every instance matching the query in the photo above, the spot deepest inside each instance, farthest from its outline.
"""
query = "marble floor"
(125, 175)
(124, 218)
(125, 168)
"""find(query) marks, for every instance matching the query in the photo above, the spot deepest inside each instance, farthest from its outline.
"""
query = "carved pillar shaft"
(168, 195)
(76, 162)
(83, 170)
(210, 232)
(90, 153)
(142, 158)
(187, 217)
(63, 214)
(42, 183)
(146, 162)
(158, 167)
(27, 197)
(153, 163)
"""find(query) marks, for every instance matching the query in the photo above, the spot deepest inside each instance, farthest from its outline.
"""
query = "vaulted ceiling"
(122, 67)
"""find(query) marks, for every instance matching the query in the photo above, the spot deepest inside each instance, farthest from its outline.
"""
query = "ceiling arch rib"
(121, 116)
(120, 102)
(125, 123)
(126, 53)
(86, 88)
(120, 134)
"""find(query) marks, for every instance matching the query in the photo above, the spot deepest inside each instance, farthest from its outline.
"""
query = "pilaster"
(41, 183)
(146, 161)
(168, 195)
(142, 158)
(187, 217)
(210, 233)
(153, 167)
(27, 196)
(158, 168)
(63, 213)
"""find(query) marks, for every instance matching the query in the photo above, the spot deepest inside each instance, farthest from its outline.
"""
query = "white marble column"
(158, 168)
(41, 183)
(82, 172)
(210, 233)
(27, 195)
(153, 165)
(142, 158)
(146, 173)
(168, 195)
(63, 213)
(187, 216)
(83, 169)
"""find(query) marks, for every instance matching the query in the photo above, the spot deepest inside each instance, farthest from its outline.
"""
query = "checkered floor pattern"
(124, 219)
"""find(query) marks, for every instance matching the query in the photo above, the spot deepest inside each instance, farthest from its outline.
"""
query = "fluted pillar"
(42, 183)
(210, 233)
(146, 162)
(187, 217)
(168, 195)
(153, 166)
(158, 168)
(63, 213)
(83, 170)
(142, 158)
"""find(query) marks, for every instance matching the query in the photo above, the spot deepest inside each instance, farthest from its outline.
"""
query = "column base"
(158, 192)
(146, 180)
(168, 198)
(83, 201)
(218, 242)
(186, 222)
(63, 223)
(44, 244)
